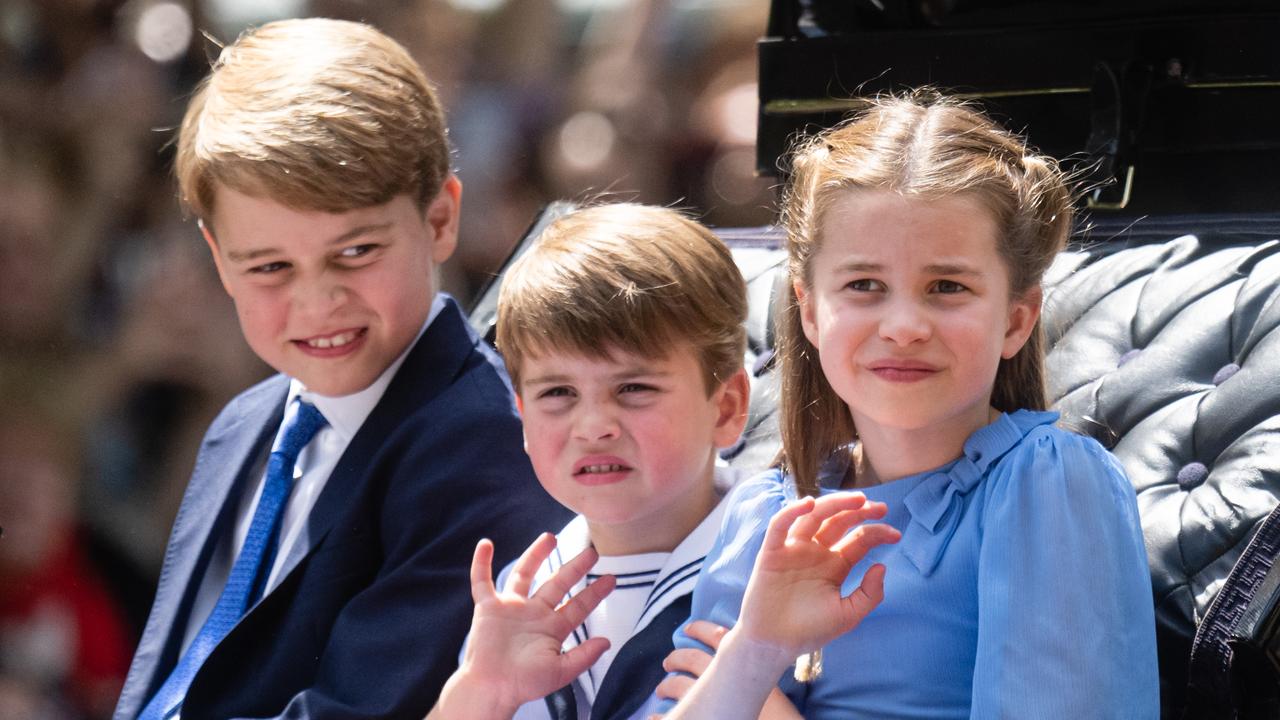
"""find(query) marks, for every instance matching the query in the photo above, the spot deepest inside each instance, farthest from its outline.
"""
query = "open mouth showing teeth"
(595, 469)
(334, 340)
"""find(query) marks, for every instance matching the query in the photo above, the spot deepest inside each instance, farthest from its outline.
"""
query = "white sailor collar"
(678, 574)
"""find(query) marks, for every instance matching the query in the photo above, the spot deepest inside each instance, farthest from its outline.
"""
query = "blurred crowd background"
(117, 344)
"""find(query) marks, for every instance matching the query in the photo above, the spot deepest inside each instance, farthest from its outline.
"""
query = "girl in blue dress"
(1006, 575)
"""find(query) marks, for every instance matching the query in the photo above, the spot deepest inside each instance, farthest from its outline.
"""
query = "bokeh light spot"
(586, 140)
(163, 32)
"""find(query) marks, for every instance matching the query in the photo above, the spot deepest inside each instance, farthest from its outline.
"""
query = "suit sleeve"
(1066, 624)
(396, 642)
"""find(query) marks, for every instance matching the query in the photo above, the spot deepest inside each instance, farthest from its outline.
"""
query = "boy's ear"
(442, 215)
(1024, 311)
(213, 249)
(735, 400)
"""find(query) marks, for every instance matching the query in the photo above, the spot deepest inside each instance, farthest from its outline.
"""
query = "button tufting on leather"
(1128, 356)
(1225, 372)
(1201, 305)
(1191, 475)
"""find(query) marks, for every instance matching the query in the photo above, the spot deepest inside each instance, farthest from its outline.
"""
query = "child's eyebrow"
(546, 380)
(859, 266)
(951, 269)
(238, 256)
(620, 376)
(245, 256)
(640, 372)
(358, 231)
(932, 268)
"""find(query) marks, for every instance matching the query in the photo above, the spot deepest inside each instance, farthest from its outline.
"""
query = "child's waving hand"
(514, 653)
(793, 599)
(792, 603)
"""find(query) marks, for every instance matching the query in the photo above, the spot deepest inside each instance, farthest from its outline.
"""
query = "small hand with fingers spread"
(793, 601)
(513, 654)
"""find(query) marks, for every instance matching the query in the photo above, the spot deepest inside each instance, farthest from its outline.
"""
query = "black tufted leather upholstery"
(1169, 354)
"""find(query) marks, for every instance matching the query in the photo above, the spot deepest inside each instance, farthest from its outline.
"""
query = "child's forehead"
(558, 363)
(605, 356)
(293, 198)
(874, 227)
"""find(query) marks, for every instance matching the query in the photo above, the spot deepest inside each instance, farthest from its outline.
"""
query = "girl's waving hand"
(793, 599)
(793, 603)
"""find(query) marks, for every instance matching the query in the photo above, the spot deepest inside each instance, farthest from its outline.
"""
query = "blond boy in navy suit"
(317, 567)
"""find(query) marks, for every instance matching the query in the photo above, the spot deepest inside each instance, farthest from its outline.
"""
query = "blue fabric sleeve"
(723, 580)
(1066, 624)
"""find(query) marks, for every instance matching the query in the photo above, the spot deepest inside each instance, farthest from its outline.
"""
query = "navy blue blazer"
(375, 598)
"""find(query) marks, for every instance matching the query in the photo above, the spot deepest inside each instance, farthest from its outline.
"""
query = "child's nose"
(320, 296)
(905, 322)
(595, 423)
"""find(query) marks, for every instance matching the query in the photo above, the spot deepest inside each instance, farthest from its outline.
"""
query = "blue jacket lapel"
(429, 368)
(234, 440)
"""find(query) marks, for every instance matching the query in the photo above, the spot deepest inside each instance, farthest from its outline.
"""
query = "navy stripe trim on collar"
(671, 578)
(626, 575)
(672, 587)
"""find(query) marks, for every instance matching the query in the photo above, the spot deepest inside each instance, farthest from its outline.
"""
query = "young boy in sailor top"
(622, 329)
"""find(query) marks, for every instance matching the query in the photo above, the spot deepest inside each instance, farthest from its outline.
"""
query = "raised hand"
(793, 601)
(513, 653)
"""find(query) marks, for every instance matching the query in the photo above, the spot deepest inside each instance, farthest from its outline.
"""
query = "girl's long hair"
(924, 146)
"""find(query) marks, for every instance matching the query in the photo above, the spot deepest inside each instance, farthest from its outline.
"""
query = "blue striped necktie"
(249, 572)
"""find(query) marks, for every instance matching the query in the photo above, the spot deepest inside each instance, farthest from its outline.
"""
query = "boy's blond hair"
(315, 114)
(625, 277)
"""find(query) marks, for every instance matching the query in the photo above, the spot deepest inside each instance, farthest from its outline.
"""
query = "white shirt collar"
(348, 412)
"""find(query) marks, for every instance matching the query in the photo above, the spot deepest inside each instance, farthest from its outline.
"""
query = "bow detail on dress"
(934, 504)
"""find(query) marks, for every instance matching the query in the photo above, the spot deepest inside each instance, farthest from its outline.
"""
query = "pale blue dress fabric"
(1020, 587)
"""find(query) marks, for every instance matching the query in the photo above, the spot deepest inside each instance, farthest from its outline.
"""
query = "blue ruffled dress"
(1020, 588)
